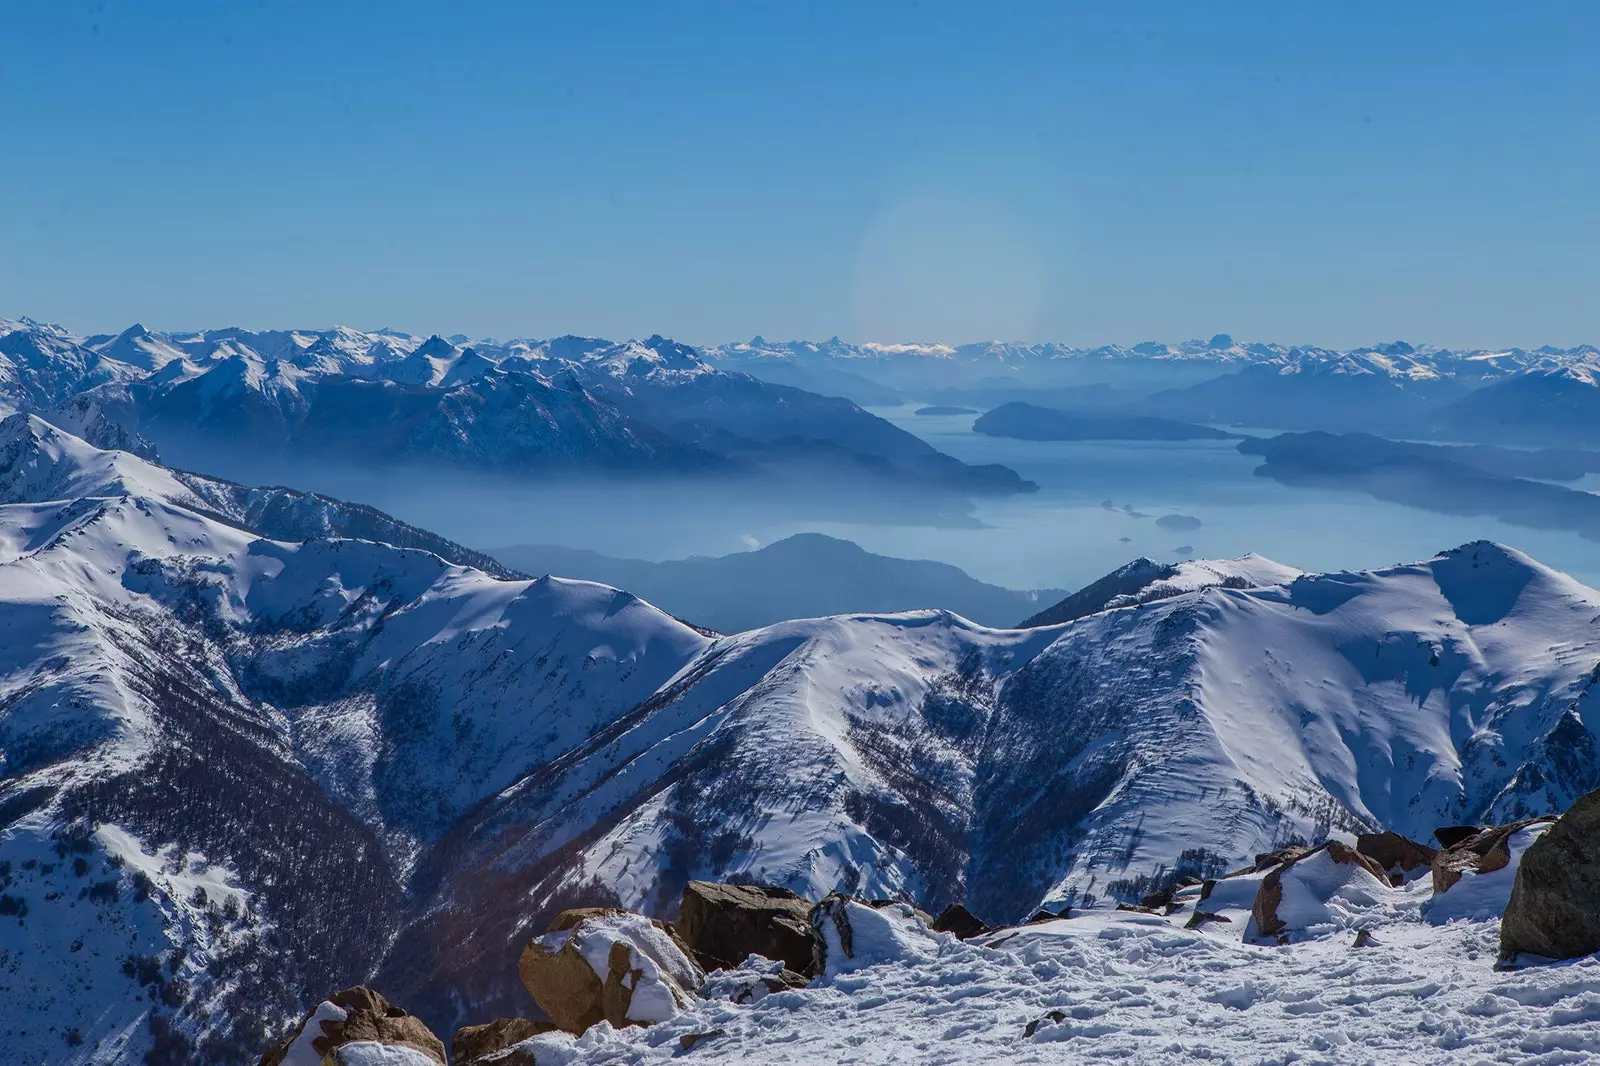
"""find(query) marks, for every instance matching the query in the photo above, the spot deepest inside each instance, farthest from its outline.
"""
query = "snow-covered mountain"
(288, 766)
(232, 398)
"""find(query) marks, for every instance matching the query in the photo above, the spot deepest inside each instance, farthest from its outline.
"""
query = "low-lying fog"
(1063, 536)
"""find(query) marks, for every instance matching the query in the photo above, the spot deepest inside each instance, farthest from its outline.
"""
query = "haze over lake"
(1061, 536)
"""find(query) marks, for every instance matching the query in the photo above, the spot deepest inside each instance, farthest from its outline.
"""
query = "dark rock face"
(367, 1016)
(1482, 852)
(473, 1042)
(1395, 852)
(1449, 836)
(724, 924)
(1554, 908)
(959, 921)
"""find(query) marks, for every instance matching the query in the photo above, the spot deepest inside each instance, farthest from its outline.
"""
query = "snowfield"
(1136, 988)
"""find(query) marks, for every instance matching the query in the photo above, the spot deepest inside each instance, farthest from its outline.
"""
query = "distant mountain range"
(238, 770)
(807, 575)
(565, 406)
(787, 410)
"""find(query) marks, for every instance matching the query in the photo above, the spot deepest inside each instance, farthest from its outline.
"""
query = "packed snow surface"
(1136, 988)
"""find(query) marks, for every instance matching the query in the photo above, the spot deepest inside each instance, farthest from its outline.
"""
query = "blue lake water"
(1062, 536)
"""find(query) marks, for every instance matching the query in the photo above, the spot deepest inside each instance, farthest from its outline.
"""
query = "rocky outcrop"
(473, 1042)
(725, 924)
(1395, 853)
(1554, 908)
(605, 965)
(1332, 869)
(1483, 852)
(357, 1016)
(959, 922)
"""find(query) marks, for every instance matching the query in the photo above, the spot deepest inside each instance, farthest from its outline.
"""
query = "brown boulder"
(473, 1042)
(1268, 897)
(1395, 852)
(1554, 908)
(355, 1014)
(725, 924)
(1483, 852)
(608, 965)
(959, 922)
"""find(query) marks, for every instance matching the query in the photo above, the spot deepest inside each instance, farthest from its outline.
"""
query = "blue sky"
(1333, 174)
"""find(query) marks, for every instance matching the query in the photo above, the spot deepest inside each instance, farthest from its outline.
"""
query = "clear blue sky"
(1330, 173)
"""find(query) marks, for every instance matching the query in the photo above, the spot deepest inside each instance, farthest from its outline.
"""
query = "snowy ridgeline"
(243, 771)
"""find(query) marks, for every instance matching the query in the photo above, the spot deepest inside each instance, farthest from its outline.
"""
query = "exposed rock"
(567, 919)
(1270, 896)
(724, 924)
(355, 1015)
(1268, 859)
(1449, 836)
(1554, 908)
(1053, 1017)
(1482, 852)
(1199, 918)
(960, 922)
(473, 1042)
(1042, 916)
(687, 1041)
(607, 965)
(833, 910)
(1395, 852)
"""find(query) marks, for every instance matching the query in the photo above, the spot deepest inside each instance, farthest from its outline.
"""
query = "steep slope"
(804, 576)
(1223, 722)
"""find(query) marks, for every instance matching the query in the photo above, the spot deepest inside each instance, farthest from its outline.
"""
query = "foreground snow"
(1139, 988)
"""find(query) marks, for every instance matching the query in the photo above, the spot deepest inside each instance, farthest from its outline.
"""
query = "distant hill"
(1025, 421)
(808, 575)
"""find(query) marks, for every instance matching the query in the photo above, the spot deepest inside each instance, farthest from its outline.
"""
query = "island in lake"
(1024, 421)
(941, 409)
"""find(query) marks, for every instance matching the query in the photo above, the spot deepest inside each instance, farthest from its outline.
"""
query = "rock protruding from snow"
(1482, 853)
(1554, 909)
(1319, 889)
(358, 1027)
(852, 934)
(611, 966)
(1396, 854)
(959, 922)
(725, 924)
(1473, 880)
(474, 1043)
